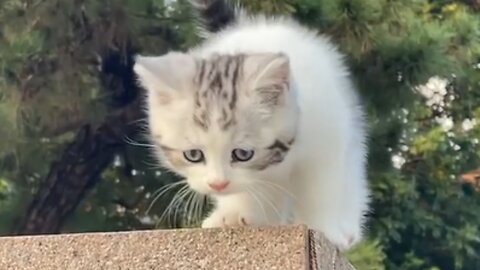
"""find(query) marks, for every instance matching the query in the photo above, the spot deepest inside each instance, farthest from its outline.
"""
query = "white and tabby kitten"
(263, 117)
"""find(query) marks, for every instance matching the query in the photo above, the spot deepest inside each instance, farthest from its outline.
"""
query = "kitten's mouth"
(223, 192)
(210, 192)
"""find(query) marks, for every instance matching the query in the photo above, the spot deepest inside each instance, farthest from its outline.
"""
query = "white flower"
(436, 98)
(445, 122)
(398, 161)
(425, 91)
(468, 124)
(438, 85)
(434, 91)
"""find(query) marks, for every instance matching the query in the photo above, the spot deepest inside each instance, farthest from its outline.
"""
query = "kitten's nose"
(219, 185)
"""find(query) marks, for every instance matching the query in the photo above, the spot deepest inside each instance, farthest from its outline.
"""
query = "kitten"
(263, 117)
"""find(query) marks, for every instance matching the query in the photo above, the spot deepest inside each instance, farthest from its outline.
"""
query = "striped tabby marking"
(275, 154)
(217, 80)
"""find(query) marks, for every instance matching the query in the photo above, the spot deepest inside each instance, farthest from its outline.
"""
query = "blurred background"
(72, 153)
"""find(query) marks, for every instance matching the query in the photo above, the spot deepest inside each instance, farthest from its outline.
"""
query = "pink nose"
(219, 185)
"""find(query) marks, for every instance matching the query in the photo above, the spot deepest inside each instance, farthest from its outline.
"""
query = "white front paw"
(227, 218)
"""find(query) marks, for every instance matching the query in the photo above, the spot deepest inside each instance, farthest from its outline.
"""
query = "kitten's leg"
(244, 209)
(333, 201)
(354, 207)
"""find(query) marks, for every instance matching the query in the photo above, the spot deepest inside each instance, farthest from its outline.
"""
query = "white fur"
(322, 181)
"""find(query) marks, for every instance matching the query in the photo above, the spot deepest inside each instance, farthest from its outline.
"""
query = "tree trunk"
(80, 165)
(93, 149)
(76, 172)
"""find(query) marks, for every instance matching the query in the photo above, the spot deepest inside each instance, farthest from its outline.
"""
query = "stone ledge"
(281, 247)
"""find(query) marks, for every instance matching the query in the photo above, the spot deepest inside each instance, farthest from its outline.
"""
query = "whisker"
(161, 191)
(201, 206)
(150, 164)
(188, 208)
(139, 120)
(194, 212)
(176, 206)
(169, 185)
(252, 193)
(166, 210)
(175, 200)
(187, 201)
(131, 142)
(278, 187)
(271, 204)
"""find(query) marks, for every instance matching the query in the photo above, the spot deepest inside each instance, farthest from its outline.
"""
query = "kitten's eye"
(194, 155)
(242, 155)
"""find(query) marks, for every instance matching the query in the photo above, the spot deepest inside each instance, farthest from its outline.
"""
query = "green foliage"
(368, 255)
(269, 7)
(422, 139)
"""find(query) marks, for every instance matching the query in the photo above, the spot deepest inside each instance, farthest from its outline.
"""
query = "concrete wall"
(283, 247)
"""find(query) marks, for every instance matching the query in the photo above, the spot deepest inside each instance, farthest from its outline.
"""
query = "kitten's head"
(222, 122)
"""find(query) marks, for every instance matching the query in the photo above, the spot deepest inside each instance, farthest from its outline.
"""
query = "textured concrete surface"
(286, 247)
(322, 255)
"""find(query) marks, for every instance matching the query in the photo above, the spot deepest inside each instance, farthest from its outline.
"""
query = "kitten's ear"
(266, 69)
(268, 76)
(165, 76)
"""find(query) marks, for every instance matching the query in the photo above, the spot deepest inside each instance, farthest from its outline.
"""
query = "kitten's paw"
(223, 219)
